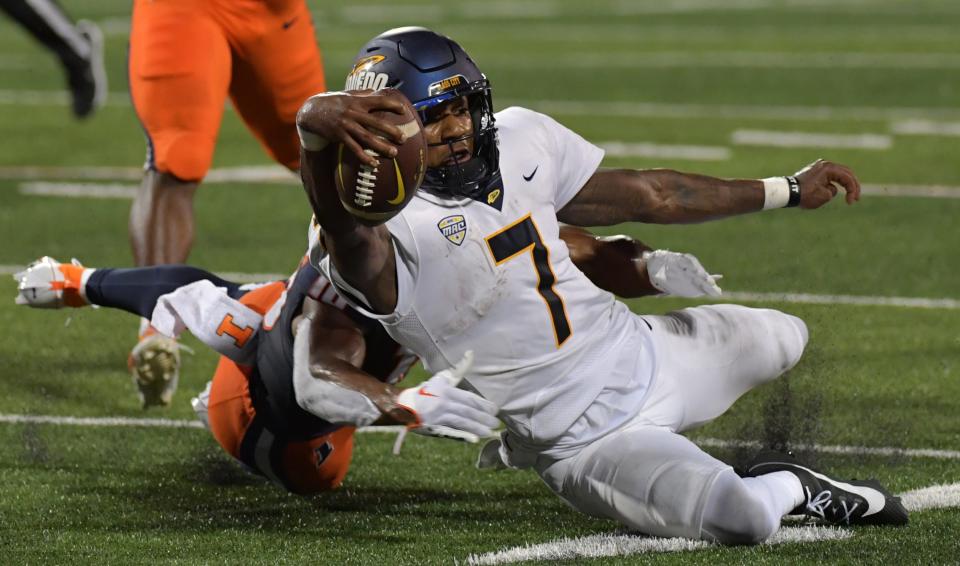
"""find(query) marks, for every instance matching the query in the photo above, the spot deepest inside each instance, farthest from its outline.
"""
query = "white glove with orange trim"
(444, 410)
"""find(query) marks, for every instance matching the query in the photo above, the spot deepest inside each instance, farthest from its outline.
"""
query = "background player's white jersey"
(500, 282)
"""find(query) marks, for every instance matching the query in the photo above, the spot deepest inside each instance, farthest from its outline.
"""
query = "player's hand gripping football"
(444, 410)
(821, 180)
(348, 118)
(680, 275)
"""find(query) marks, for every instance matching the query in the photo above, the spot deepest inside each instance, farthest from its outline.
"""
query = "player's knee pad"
(185, 155)
(733, 514)
(792, 336)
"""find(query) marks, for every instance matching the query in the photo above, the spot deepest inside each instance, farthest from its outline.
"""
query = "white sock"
(780, 491)
(144, 327)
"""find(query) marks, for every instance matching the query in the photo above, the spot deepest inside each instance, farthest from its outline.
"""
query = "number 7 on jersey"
(519, 238)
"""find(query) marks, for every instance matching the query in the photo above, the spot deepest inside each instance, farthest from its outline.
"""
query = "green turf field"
(665, 74)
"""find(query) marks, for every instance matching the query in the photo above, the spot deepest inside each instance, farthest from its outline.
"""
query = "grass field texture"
(652, 79)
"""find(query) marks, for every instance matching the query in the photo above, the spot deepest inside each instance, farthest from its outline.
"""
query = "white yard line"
(731, 59)
(53, 98)
(925, 128)
(613, 108)
(137, 422)
(79, 190)
(850, 300)
(804, 298)
(740, 111)
(43, 175)
(600, 545)
(771, 138)
(247, 174)
(922, 191)
(887, 451)
(665, 151)
(933, 497)
(99, 421)
(606, 545)
(52, 173)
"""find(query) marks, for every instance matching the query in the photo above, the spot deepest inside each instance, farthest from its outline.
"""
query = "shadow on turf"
(210, 492)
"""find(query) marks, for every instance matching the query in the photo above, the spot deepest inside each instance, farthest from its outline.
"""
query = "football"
(376, 194)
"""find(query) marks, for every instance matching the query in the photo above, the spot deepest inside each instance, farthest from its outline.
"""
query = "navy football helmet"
(431, 69)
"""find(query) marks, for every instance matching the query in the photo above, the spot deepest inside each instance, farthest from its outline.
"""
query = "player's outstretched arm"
(613, 263)
(363, 255)
(332, 386)
(629, 268)
(662, 196)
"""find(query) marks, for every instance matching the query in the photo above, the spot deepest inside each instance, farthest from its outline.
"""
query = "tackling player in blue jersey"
(299, 369)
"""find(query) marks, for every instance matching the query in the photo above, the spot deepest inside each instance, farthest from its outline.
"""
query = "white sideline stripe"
(933, 497)
(653, 150)
(855, 300)
(804, 298)
(809, 139)
(925, 128)
(742, 111)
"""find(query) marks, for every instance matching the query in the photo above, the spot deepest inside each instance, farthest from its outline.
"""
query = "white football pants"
(648, 476)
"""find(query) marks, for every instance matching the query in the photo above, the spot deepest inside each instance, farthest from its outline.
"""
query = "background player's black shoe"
(841, 503)
(86, 77)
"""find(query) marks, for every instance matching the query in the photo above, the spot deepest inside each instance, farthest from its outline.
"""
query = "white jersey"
(500, 282)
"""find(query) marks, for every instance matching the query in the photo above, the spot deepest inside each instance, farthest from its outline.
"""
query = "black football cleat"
(837, 502)
(86, 77)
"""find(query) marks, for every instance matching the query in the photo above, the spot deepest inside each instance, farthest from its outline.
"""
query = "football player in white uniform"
(594, 397)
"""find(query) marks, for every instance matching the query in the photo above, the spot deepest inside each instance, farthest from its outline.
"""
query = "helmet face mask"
(432, 70)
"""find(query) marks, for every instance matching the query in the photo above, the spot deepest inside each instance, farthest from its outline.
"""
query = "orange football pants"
(188, 56)
(302, 467)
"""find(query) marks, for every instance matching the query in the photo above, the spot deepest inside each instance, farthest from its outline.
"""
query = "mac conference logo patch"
(453, 228)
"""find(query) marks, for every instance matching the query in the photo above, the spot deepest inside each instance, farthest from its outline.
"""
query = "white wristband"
(776, 192)
(311, 141)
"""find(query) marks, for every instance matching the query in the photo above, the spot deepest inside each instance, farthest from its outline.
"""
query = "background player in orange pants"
(294, 428)
(186, 58)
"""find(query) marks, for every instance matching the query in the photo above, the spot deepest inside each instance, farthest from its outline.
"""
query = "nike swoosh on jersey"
(288, 23)
(530, 178)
